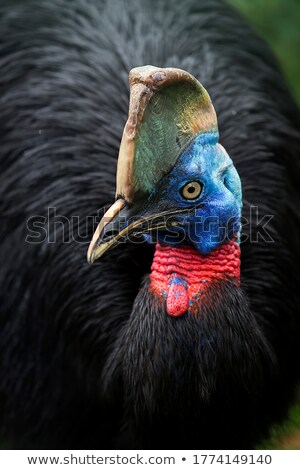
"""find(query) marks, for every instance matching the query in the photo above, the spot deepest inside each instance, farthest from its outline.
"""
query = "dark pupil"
(191, 189)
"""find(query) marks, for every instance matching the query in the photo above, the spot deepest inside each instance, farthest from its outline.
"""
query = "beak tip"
(90, 261)
(95, 250)
(90, 256)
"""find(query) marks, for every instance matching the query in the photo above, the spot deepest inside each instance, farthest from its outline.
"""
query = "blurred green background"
(278, 22)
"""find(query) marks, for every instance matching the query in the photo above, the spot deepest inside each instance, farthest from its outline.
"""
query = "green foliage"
(278, 22)
(287, 434)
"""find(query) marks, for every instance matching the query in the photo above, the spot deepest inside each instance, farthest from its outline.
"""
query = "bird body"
(135, 351)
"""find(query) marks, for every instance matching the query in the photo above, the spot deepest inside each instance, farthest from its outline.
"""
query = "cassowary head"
(191, 338)
(177, 186)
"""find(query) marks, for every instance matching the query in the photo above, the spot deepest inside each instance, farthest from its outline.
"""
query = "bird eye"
(191, 190)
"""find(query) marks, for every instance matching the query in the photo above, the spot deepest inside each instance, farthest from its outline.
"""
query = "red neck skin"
(182, 275)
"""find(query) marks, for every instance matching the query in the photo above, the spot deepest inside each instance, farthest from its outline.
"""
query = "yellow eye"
(191, 190)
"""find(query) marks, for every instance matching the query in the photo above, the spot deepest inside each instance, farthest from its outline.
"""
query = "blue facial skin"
(216, 213)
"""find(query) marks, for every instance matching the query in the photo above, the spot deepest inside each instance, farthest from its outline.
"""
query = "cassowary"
(184, 336)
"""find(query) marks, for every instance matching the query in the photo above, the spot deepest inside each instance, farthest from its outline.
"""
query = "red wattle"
(177, 300)
(182, 275)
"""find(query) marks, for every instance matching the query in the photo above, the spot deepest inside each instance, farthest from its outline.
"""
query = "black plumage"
(87, 360)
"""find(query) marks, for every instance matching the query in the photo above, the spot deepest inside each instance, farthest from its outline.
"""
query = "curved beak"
(122, 220)
(98, 246)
